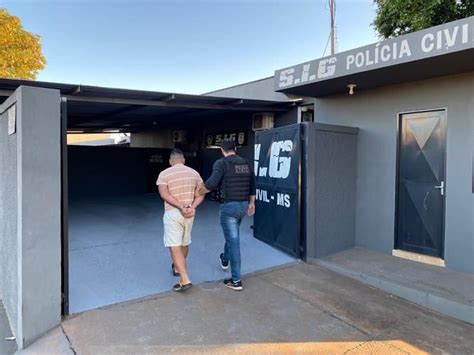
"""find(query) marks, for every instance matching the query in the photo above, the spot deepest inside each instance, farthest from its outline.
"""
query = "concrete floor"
(295, 308)
(116, 250)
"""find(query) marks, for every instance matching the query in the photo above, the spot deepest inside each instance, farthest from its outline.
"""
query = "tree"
(398, 17)
(20, 51)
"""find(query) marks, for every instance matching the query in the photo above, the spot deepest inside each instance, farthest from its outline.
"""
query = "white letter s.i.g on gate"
(279, 167)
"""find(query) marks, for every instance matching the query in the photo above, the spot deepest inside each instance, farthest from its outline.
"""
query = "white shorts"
(177, 229)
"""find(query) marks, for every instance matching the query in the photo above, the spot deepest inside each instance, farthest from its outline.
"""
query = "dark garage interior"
(115, 243)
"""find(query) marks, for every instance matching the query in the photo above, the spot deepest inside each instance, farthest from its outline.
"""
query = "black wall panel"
(114, 170)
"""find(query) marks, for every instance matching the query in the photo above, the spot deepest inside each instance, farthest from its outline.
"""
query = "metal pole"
(331, 9)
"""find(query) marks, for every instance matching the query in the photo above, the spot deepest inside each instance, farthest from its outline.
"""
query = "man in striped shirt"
(178, 187)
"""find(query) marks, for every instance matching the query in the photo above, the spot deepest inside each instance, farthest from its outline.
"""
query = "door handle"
(441, 187)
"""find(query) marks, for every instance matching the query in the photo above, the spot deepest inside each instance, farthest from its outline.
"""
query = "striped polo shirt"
(182, 182)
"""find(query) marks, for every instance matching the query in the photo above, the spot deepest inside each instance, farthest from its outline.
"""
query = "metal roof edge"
(7, 86)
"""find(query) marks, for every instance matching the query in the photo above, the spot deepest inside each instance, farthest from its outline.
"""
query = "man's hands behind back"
(188, 211)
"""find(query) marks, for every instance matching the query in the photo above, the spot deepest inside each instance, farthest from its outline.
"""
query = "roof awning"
(441, 50)
(94, 109)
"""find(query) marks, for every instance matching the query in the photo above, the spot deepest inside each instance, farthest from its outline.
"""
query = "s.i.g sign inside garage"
(215, 139)
(277, 169)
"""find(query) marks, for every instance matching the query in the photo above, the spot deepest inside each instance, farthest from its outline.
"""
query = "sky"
(192, 46)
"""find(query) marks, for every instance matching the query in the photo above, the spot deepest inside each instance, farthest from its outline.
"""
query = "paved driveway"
(295, 308)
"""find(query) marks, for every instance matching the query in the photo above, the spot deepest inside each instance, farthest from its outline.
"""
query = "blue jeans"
(232, 214)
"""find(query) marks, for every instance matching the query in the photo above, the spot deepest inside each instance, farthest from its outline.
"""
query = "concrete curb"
(457, 310)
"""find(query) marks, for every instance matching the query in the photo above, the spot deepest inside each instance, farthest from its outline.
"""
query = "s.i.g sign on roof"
(435, 41)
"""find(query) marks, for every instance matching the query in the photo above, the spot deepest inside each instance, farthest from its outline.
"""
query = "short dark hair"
(176, 154)
(228, 145)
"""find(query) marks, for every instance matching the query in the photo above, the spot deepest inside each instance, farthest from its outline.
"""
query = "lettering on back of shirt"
(242, 169)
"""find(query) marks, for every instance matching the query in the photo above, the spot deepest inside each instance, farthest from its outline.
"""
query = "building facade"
(402, 108)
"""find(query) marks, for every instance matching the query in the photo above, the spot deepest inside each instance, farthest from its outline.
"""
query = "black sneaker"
(224, 264)
(234, 285)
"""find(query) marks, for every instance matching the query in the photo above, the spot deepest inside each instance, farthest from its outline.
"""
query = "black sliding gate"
(278, 172)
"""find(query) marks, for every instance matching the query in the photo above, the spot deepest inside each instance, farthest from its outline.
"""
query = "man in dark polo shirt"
(233, 176)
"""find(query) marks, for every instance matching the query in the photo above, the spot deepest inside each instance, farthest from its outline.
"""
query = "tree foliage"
(20, 51)
(398, 17)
